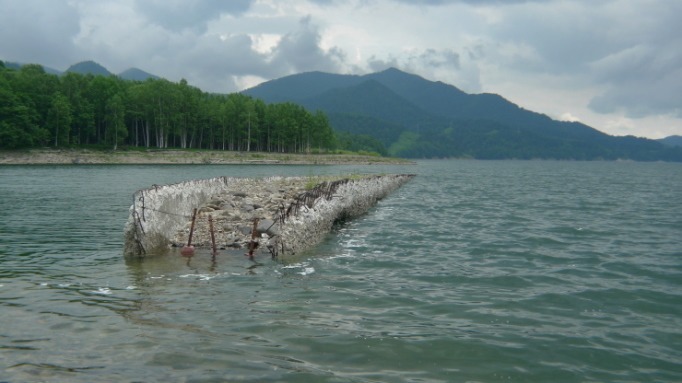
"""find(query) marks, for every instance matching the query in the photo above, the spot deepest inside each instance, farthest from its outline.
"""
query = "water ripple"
(474, 271)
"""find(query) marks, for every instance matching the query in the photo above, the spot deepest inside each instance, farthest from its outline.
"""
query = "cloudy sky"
(615, 65)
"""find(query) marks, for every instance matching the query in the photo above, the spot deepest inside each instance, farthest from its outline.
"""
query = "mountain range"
(418, 118)
(409, 116)
(671, 141)
(91, 67)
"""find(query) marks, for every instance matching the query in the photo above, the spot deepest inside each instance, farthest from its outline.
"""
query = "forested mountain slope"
(88, 106)
(414, 117)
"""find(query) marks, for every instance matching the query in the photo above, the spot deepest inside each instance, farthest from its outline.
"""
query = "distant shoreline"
(198, 157)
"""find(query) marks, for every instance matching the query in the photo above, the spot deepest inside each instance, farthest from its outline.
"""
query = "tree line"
(38, 109)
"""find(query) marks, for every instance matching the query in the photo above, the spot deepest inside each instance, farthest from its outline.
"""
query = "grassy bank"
(153, 156)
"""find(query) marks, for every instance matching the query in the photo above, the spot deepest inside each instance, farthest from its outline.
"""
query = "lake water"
(473, 272)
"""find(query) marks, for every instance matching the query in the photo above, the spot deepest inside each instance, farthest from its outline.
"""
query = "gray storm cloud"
(36, 31)
(644, 78)
(177, 15)
(300, 51)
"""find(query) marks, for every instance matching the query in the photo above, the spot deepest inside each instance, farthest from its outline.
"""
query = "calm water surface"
(474, 271)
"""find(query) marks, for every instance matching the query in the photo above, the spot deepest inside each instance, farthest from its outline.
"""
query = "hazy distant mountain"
(47, 69)
(671, 141)
(89, 67)
(11, 65)
(414, 117)
(135, 74)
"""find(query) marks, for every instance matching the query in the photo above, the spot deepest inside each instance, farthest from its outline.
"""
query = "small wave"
(303, 268)
(199, 277)
(102, 291)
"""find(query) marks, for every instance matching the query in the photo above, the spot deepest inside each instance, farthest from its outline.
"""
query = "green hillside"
(135, 74)
(89, 67)
(414, 117)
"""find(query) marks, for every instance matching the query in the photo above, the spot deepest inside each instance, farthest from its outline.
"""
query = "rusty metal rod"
(253, 244)
(210, 226)
(191, 228)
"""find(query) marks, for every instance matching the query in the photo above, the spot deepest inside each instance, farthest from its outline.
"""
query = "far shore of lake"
(178, 156)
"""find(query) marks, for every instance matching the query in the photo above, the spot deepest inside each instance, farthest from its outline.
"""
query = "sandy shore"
(83, 156)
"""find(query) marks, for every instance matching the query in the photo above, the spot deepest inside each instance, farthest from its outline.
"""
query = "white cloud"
(245, 82)
(568, 116)
(265, 43)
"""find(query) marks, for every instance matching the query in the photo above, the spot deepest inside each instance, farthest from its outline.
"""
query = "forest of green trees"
(38, 109)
